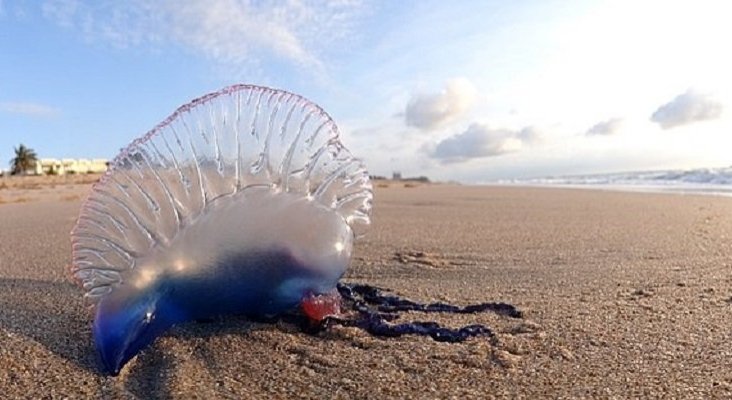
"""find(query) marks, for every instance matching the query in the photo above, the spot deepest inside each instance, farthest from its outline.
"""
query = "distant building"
(52, 166)
(397, 176)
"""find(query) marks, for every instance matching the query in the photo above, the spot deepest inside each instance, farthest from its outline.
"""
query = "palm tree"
(25, 159)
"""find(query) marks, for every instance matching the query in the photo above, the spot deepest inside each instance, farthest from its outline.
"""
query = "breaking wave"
(701, 180)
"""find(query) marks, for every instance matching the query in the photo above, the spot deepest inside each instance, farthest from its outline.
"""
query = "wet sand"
(625, 295)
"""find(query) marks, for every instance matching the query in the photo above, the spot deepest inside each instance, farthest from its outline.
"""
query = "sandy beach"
(625, 295)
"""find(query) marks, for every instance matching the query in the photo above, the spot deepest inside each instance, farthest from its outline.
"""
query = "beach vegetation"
(24, 160)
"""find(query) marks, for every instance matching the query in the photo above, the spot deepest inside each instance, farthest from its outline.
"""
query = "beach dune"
(624, 295)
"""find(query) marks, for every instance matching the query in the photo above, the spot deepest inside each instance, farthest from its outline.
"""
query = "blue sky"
(470, 91)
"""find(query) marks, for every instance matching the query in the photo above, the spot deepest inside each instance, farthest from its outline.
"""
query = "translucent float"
(243, 201)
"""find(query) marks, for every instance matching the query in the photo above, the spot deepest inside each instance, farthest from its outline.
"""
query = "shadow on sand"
(50, 313)
(151, 374)
(53, 315)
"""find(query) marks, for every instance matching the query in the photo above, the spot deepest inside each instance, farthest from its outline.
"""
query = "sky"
(472, 91)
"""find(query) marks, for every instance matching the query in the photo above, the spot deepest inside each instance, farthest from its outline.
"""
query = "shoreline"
(688, 190)
(16, 189)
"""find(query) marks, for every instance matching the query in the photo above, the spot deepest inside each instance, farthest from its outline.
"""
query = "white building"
(52, 166)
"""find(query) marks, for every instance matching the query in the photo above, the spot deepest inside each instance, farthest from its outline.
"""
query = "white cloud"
(62, 11)
(478, 141)
(227, 31)
(687, 108)
(530, 135)
(29, 109)
(431, 111)
(609, 127)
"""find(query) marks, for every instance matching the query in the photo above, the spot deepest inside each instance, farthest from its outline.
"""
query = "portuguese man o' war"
(243, 201)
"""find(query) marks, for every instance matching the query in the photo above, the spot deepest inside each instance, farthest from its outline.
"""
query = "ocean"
(711, 181)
